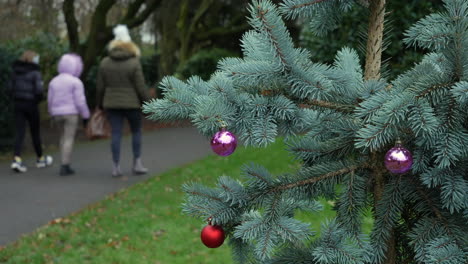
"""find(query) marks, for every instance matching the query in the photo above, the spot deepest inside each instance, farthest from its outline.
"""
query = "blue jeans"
(116, 118)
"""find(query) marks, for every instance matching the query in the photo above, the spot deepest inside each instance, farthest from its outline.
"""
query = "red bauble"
(212, 236)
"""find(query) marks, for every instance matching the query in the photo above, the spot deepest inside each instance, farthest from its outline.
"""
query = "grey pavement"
(32, 199)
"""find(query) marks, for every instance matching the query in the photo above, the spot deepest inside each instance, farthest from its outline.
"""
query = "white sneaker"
(17, 165)
(44, 161)
(138, 168)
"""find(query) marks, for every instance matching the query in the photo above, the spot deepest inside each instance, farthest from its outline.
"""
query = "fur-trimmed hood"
(122, 50)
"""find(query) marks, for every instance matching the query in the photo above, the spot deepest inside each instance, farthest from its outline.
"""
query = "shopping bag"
(98, 126)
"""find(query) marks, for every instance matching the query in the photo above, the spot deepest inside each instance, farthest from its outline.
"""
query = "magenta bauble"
(212, 236)
(223, 142)
(398, 159)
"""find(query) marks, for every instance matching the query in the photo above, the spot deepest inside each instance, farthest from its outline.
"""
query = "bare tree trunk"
(372, 72)
(68, 9)
(187, 27)
(166, 22)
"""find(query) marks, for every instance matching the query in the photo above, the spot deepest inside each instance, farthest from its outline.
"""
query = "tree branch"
(68, 8)
(132, 19)
(133, 8)
(433, 88)
(98, 21)
(330, 105)
(315, 179)
(308, 4)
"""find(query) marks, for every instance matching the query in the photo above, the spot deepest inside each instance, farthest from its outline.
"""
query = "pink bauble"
(398, 159)
(223, 142)
(212, 236)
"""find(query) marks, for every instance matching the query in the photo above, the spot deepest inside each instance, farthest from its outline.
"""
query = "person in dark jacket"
(121, 91)
(27, 91)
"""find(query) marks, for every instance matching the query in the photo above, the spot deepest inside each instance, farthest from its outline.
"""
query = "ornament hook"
(222, 123)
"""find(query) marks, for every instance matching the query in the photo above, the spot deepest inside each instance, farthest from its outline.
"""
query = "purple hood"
(66, 91)
(70, 63)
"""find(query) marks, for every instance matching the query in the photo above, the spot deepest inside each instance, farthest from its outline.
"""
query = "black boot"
(65, 170)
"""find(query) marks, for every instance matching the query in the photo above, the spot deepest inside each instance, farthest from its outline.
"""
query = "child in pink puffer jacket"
(66, 103)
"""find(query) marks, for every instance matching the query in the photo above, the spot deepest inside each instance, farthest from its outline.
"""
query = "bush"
(150, 66)
(204, 62)
(50, 49)
(7, 57)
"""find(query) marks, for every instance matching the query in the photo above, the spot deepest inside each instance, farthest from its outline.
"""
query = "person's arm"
(100, 88)
(38, 87)
(140, 86)
(50, 97)
(80, 99)
(11, 84)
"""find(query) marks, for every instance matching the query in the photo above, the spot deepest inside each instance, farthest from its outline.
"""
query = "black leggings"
(27, 111)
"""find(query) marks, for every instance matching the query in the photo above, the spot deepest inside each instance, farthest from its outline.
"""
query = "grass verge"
(144, 224)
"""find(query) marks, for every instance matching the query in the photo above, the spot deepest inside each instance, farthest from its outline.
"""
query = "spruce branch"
(387, 211)
(329, 105)
(434, 88)
(178, 102)
(315, 179)
(308, 4)
(204, 195)
(261, 15)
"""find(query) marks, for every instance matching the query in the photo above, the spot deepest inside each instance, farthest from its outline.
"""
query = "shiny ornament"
(398, 159)
(223, 142)
(212, 236)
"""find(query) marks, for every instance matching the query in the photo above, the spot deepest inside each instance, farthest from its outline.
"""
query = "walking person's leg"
(20, 129)
(116, 122)
(134, 119)
(67, 139)
(34, 125)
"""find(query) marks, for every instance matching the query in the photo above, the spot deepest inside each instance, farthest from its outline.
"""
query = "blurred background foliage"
(204, 62)
(178, 37)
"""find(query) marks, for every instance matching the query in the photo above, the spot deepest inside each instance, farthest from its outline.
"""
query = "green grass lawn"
(144, 223)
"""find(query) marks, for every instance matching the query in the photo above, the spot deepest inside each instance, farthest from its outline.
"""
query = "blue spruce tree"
(339, 120)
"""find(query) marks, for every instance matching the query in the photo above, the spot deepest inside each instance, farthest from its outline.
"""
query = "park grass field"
(145, 224)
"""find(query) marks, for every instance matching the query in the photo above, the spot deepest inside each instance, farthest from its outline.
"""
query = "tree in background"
(340, 120)
(183, 27)
(25, 18)
(100, 32)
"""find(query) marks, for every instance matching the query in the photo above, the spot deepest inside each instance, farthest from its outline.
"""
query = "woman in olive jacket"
(121, 91)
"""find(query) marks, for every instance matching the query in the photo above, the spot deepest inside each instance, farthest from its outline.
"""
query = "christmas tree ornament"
(212, 236)
(223, 142)
(398, 159)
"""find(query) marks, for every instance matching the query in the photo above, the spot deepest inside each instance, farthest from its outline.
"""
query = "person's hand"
(152, 92)
(85, 123)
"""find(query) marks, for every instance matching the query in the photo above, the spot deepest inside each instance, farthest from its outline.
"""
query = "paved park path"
(32, 199)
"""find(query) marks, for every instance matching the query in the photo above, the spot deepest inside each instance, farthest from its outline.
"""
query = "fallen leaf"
(159, 233)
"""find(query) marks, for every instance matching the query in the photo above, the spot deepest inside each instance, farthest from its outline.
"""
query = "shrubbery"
(7, 56)
(204, 62)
